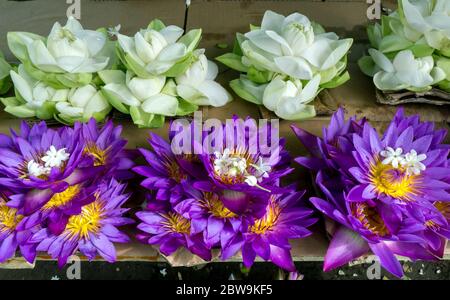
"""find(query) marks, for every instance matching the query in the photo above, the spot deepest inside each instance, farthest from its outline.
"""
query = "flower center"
(100, 156)
(8, 218)
(87, 222)
(176, 223)
(42, 166)
(213, 204)
(444, 209)
(61, 199)
(393, 182)
(174, 170)
(370, 218)
(268, 221)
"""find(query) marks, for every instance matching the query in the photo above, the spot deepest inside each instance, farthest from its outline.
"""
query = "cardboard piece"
(434, 96)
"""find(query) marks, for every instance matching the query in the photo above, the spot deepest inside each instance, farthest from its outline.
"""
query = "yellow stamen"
(393, 182)
(9, 218)
(61, 199)
(269, 220)
(238, 178)
(444, 209)
(174, 170)
(370, 218)
(100, 156)
(176, 223)
(214, 205)
(88, 221)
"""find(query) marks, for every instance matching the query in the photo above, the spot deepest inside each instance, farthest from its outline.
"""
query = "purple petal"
(282, 258)
(387, 258)
(345, 246)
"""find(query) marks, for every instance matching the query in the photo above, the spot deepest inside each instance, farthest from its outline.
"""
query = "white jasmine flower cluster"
(227, 165)
(52, 158)
(411, 161)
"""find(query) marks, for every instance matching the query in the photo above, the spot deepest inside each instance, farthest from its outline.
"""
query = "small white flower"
(55, 158)
(262, 169)
(394, 157)
(413, 163)
(36, 169)
(251, 180)
(114, 31)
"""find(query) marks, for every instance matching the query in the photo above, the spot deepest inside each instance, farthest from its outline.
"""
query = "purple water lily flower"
(286, 218)
(170, 231)
(243, 164)
(105, 147)
(437, 228)
(11, 238)
(93, 231)
(164, 173)
(209, 217)
(377, 188)
(40, 162)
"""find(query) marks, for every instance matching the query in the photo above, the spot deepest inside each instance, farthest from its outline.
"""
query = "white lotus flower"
(288, 45)
(147, 93)
(405, 72)
(197, 85)
(289, 99)
(157, 49)
(36, 99)
(82, 104)
(430, 18)
(68, 49)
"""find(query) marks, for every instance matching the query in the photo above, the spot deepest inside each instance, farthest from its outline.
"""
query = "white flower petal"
(217, 95)
(296, 67)
(123, 93)
(161, 105)
(171, 33)
(381, 60)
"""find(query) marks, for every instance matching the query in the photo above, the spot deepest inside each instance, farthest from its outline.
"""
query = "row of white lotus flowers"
(74, 74)
(411, 47)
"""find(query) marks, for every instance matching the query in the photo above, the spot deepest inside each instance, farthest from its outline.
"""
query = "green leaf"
(11, 101)
(237, 44)
(367, 65)
(240, 90)
(421, 50)
(185, 107)
(74, 80)
(146, 120)
(191, 39)
(445, 85)
(385, 26)
(317, 28)
(112, 76)
(337, 81)
(233, 61)
(254, 27)
(46, 111)
(181, 67)
(392, 43)
(134, 66)
(156, 25)
(444, 64)
(5, 86)
(258, 76)
(21, 111)
(115, 102)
